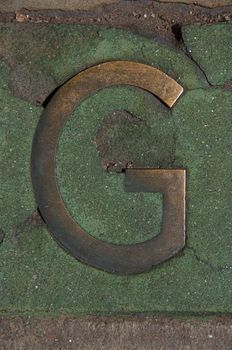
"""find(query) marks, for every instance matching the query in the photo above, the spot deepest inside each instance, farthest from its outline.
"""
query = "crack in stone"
(182, 46)
(142, 51)
(33, 220)
(188, 53)
(207, 263)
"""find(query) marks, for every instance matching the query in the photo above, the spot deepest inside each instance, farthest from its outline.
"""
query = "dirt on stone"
(145, 17)
(108, 140)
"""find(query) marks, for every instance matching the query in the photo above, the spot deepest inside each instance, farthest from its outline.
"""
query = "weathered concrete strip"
(128, 333)
(15, 5)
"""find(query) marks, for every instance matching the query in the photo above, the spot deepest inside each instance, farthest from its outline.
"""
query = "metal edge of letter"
(121, 259)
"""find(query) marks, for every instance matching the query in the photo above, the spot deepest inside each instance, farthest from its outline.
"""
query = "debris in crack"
(176, 29)
(153, 18)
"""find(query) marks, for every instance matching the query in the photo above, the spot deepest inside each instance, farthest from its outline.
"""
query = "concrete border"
(123, 333)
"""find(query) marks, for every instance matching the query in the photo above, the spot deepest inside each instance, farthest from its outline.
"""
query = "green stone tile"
(211, 48)
(54, 53)
(36, 276)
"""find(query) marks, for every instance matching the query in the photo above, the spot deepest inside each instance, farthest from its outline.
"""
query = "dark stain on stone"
(144, 17)
(112, 142)
(124, 140)
(33, 221)
(227, 85)
(34, 86)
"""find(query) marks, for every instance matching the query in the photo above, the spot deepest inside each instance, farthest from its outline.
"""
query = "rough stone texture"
(14, 5)
(144, 17)
(211, 47)
(205, 3)
(195, 134)
(18, 120)
(55, 53)
(131, 333)
(204, 148)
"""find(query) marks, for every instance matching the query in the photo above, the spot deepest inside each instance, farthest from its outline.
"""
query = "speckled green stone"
(36, 276)
(203, 120)
(55, 53)
(211, 48)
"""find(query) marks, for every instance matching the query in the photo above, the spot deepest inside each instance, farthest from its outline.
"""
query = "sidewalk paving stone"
(37, 276)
